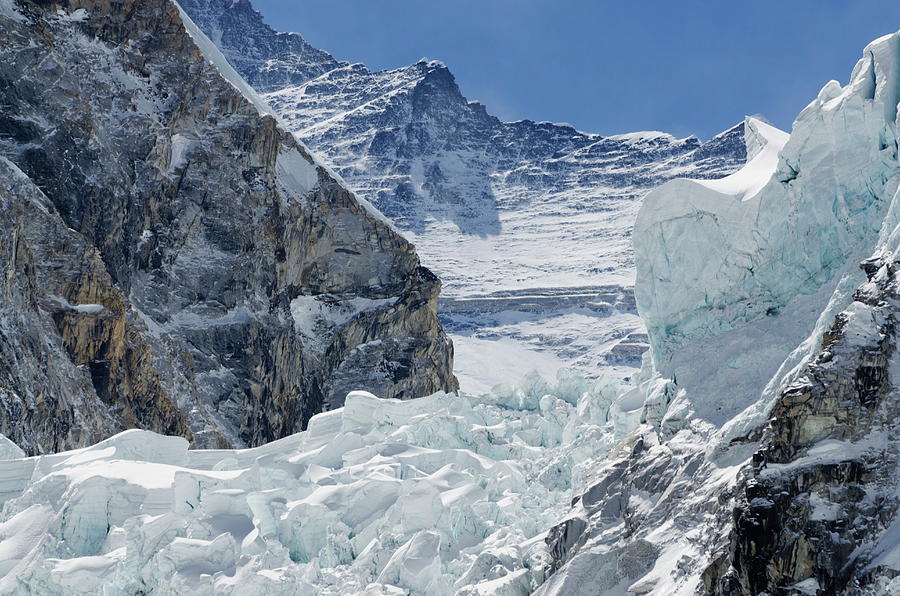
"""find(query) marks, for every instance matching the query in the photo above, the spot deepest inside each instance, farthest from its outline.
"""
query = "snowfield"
(441, 495)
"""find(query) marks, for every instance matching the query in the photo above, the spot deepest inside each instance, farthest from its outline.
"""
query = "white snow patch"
(828, 451)
(181, 147)
(91, 309)
(482, 364)
(315, 317)
(298, 176)
(887, 551)
(823, 509)
(76, 16)
(641, 136)
(766, 142)
(86, 308)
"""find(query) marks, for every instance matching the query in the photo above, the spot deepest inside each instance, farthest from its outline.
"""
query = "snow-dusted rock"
(162, 224)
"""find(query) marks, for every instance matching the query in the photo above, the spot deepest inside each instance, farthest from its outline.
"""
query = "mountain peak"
(268, 59)
(431, 64)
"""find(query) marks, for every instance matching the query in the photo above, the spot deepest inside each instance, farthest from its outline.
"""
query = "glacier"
(448, 494)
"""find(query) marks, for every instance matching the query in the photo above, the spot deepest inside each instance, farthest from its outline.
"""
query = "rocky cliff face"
(76, 364)
(818, 508)
(184, 264)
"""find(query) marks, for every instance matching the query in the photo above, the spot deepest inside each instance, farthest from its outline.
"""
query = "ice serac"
(448, 494)
(767, 457)
(745, 266)
(489, 204)
(166, 224)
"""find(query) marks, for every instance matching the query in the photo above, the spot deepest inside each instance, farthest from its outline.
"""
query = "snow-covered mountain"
(172, 257)
(756, 451)
(528, 224)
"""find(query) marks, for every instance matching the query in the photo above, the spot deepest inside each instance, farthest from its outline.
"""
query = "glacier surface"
(441, 495)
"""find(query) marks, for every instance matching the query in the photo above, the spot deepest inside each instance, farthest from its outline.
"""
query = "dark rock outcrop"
(822, 489)
(191, 225)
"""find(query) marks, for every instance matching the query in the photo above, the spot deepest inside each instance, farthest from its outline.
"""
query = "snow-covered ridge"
(491, 206)
(434, 495)
(215, 56)
(277, 59)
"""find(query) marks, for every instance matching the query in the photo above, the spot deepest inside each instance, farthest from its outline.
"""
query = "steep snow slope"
(768, 461)
(491, 206)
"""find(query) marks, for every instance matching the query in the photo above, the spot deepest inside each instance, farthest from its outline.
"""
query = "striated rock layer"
(177, 261)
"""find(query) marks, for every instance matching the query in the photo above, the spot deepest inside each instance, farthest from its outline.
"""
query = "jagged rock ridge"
(268, 60)
(182, 247)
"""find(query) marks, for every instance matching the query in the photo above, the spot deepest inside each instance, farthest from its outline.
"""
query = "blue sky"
(685, 67)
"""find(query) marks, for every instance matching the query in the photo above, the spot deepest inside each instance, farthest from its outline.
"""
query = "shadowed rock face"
(823, 486)
(181, 263)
